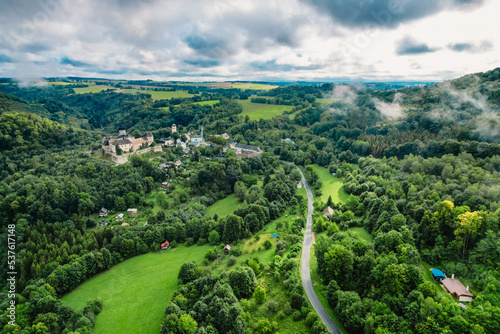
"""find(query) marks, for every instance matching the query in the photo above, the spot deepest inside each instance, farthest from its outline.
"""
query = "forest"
(420, 165)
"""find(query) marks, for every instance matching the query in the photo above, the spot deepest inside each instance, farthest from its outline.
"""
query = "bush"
(211, 255)
(267, 244)
(281, 245)
(296, 316)
(190, 241)
(272, 306)
(231, 261)
(201, 241)
(236, 251)
(311, 318)
(259, 295)
(257, 237)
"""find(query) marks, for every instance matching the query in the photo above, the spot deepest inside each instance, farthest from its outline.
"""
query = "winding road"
(306, 261)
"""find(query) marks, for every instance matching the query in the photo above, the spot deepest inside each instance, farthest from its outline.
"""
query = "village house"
(227, 249)
(132, 211)
(165, 185)
(288, 141)
(103, 212)
(119, 217)
(328, 212)
(178, 163)
(169, 141)
(125, 143)
(225, 136)
(457, 289)
(103, 223)
(165, 245)
(174, 128)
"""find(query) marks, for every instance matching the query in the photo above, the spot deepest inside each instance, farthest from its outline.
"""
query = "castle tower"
(174, 128)
(122, 131)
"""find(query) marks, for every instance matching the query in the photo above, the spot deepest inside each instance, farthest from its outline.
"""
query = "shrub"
(231, 261)
(201, 241)
(257, 237)
(311, 318)
(296, 316)
(267, 244)
(259, 295)
(190, 241)
(272, 306)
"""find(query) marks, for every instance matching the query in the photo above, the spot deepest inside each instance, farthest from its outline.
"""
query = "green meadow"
(207, 103)
(256, 111)
(332, 186)
(159, 95)
(135, 292)
(92, 89)
(224, 207)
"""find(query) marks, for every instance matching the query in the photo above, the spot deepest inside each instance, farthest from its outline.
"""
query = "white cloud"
(242, 40)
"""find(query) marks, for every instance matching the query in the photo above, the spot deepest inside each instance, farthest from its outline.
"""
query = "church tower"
(122, 131)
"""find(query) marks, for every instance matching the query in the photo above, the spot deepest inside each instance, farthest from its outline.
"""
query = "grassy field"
(325, 100)
(61, 83)
(257, 111)
(224, 207)
(92, 89)
(332, 186)
(136, 291)
(159, 95)
(207, 103)
(363, 234)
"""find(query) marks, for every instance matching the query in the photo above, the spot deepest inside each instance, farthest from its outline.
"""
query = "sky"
(231, 40)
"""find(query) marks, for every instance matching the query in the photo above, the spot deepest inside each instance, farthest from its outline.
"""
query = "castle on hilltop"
(125, 143)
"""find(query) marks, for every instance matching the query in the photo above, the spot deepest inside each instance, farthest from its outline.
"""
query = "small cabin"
(328, 212)
(455, 288)
(165, 185)
(125, 224)
(103, 223)
(132, 211)
(103, 212)
(165, 245)
(119, 217)
(227, 249)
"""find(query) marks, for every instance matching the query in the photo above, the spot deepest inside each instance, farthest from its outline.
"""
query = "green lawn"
(363, 234)
(207, 103)
(332, 186)
(92, 89)
(62, 83)
(425, 268)
(159, 95)
(224, 207)
(135, 292)
(256, 111)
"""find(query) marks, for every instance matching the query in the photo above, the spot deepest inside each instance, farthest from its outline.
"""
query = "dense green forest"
(427, 190)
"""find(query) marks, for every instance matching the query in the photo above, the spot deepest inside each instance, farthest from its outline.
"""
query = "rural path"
(306, 261)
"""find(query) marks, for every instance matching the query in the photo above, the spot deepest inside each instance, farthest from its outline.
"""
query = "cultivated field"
(135, 292)
(159, 95)
(257, 111)
(92, 89)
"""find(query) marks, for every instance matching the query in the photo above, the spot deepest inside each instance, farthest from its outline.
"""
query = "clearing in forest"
(256, 111)
(332, 186)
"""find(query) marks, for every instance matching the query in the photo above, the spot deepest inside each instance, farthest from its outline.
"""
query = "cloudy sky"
(205, 40)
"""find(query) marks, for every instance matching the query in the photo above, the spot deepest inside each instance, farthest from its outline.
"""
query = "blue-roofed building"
(438, 275)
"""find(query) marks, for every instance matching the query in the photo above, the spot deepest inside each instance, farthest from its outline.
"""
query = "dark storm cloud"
(385, 13)
(203, 62)
(35, 47)
(213, 47)
(5, 59)
(408, 46)
(484, 46)
(71, 62)
(272, 65)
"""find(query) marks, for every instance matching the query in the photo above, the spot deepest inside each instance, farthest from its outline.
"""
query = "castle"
(125, 143)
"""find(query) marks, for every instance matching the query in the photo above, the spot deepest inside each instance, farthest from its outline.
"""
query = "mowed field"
(256, 111)
(207, 103)
(228, 85)
(135, 292)
(332, 186)
(159, 95)
(92, 89)
(224, 207)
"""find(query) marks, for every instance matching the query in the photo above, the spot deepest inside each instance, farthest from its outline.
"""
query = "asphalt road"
(306, 257)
